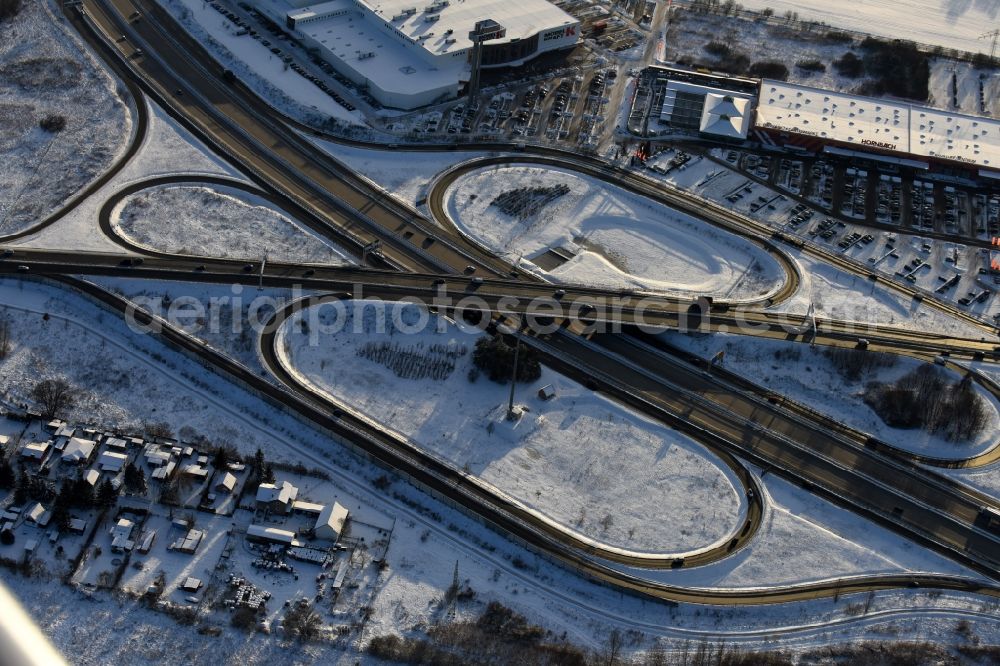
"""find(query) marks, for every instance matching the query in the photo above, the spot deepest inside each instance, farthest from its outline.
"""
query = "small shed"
(191, 584)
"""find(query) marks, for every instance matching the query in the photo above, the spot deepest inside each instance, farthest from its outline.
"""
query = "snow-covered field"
(954, 24)
(45, 71)
(168, 149)
(125, 378)
(614, 238)
(578, 458)
(688, 35)
(806, 374)
(214, 222)
(801, 536)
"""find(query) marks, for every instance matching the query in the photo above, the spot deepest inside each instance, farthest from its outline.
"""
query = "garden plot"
(202, 221)
(811, 375)
(579, 458)
(170, 568)
(47, 78)
(577, 230)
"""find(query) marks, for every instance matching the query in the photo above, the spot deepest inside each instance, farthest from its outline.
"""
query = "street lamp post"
(511, 414)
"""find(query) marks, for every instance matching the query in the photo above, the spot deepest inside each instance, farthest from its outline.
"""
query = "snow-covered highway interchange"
(639, 468)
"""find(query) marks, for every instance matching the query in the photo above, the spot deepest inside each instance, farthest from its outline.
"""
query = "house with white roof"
(330, 522)
(35, 450)
(77, 450)
(121, 535)
(37, 514)
(112, 461)
(276, 497)
(227, 483)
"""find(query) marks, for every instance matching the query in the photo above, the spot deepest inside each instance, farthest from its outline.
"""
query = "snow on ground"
(807, 375)
(405, 174)
(688, 35)
(46, 71)
(264, 72)
(168, 149)
(953, 24)
(955, 85)
(216, 222)
(577, 459)
(984, 479)
(802, 536)
(836, 294)
(429, 538)
(58, 335)
(615, 239)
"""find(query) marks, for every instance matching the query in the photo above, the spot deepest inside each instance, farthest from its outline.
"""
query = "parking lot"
(880, 195)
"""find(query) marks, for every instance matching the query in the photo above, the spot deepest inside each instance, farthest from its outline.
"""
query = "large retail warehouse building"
(409, 55)
(894, 131)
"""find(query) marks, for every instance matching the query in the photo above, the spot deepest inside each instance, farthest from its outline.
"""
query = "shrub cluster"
(499, 636)
(496, 358)
(897, 68)
(9, 9)
(52, 123)
(853, 363)
(769, 69)
(414, 361)
(925, 399)
(526, 202)
(811, 65)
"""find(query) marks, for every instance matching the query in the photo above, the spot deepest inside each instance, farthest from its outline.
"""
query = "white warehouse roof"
(409, 53)
(413, 18)
(877, 123)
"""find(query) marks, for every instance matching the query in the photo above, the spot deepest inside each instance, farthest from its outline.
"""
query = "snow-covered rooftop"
(361, 42)
(878, 123)
(411, 54)
(726, 115)
(457, 18)
(330, 522)
(110, 461)
(77, 449)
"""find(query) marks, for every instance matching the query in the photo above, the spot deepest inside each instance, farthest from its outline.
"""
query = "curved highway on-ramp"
(438, 206)
(743, 533)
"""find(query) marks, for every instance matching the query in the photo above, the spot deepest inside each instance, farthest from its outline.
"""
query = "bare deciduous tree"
(54, 396)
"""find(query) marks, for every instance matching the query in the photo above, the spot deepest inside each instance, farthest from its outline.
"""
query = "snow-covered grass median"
(597, 234)
(46, 74)
(578, 458)
(196, 220)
